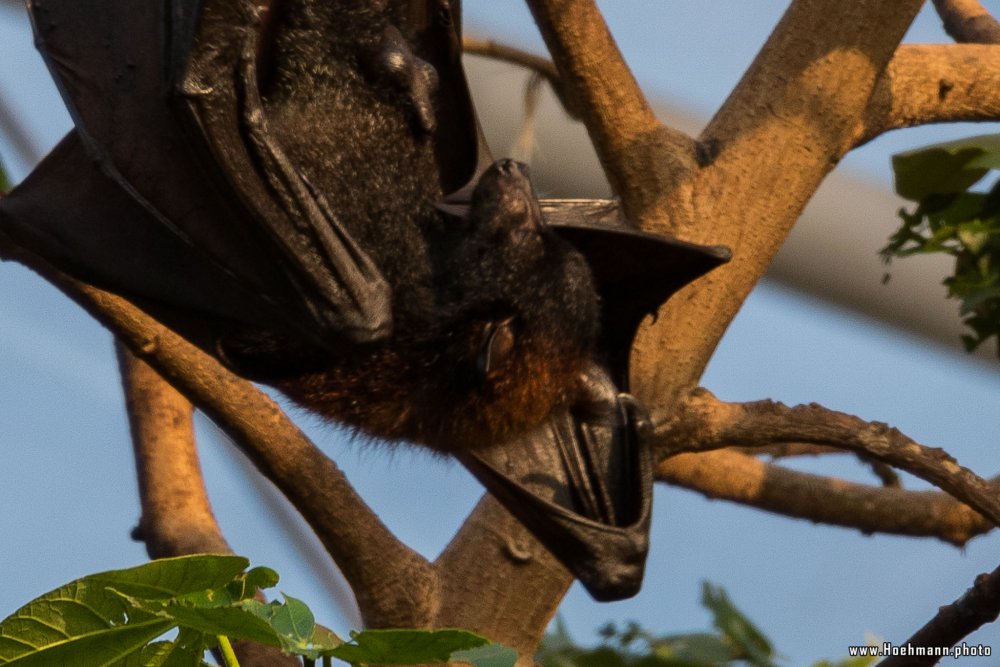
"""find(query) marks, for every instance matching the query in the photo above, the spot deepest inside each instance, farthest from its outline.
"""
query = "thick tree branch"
(977, 607)
(730, 475)
(935, 83)
(968, 21)
(794, 114)
(646, 162)
(702, 422)
(395, 585)
(494, 557)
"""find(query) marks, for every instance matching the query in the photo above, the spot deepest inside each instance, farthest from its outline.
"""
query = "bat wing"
(72, 213)
(220, 100)
(460, 147)
(119, 65)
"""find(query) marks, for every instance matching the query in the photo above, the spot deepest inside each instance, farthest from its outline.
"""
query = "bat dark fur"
(453, 283)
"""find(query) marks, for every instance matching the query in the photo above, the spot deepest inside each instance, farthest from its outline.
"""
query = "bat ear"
(635, 272)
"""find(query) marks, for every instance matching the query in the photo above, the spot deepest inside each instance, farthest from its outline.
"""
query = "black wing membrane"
(120, 66)
(219, 98)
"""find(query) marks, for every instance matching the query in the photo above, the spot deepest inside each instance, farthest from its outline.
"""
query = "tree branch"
(702, 422)
(395, 585)
(646, 162)
(543, 67)
(977, 607)
(781, 450)
(968, 21)
(494, 557)
(935, 83)
(730, 475)
(177, 517)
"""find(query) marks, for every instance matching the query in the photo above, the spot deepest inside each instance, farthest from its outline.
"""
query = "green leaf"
(172, 577)
(406, 647)
(294, 623)
(166, 654)
(5, 185)
(491, 655)
(949, 167)
(80, 624)
(750, 642)
(235, 622)
(259, 578)
(700, 648)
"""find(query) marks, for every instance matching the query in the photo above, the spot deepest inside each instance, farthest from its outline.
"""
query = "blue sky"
(68, 499)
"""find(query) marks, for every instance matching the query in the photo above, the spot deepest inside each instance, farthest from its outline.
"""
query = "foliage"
(735, 642)
(115, 618)
(5, 184)
(953, 219)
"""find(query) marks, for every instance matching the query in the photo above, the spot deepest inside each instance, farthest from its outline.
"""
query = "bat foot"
(416, 78)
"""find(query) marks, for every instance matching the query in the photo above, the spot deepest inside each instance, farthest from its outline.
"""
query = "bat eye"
(497, 345)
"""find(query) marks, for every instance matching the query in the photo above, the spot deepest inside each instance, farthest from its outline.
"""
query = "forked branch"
(744, 479)
(702, 422)
(645, 161)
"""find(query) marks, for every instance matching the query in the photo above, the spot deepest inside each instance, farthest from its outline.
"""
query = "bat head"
(522, 304)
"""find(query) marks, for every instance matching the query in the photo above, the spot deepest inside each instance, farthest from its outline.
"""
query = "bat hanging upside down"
(301, 188)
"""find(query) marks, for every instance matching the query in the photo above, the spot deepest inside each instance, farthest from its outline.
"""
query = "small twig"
(702, 422)
(17, 135)
(978, 606)
(882, 470)
(524, 145)
(542, 67)
(967, 21)
(730, 475)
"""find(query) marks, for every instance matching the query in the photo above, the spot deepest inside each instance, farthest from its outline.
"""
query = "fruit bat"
(301, 188)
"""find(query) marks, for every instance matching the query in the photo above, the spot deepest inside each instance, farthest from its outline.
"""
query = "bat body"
(302, 190)
(493, 316)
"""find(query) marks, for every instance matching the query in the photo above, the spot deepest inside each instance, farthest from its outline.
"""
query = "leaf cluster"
(118, 618)
(735, 642)
(952, 218)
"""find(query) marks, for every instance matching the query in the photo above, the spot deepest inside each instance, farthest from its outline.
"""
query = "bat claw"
(635, 412)
(415, 77)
